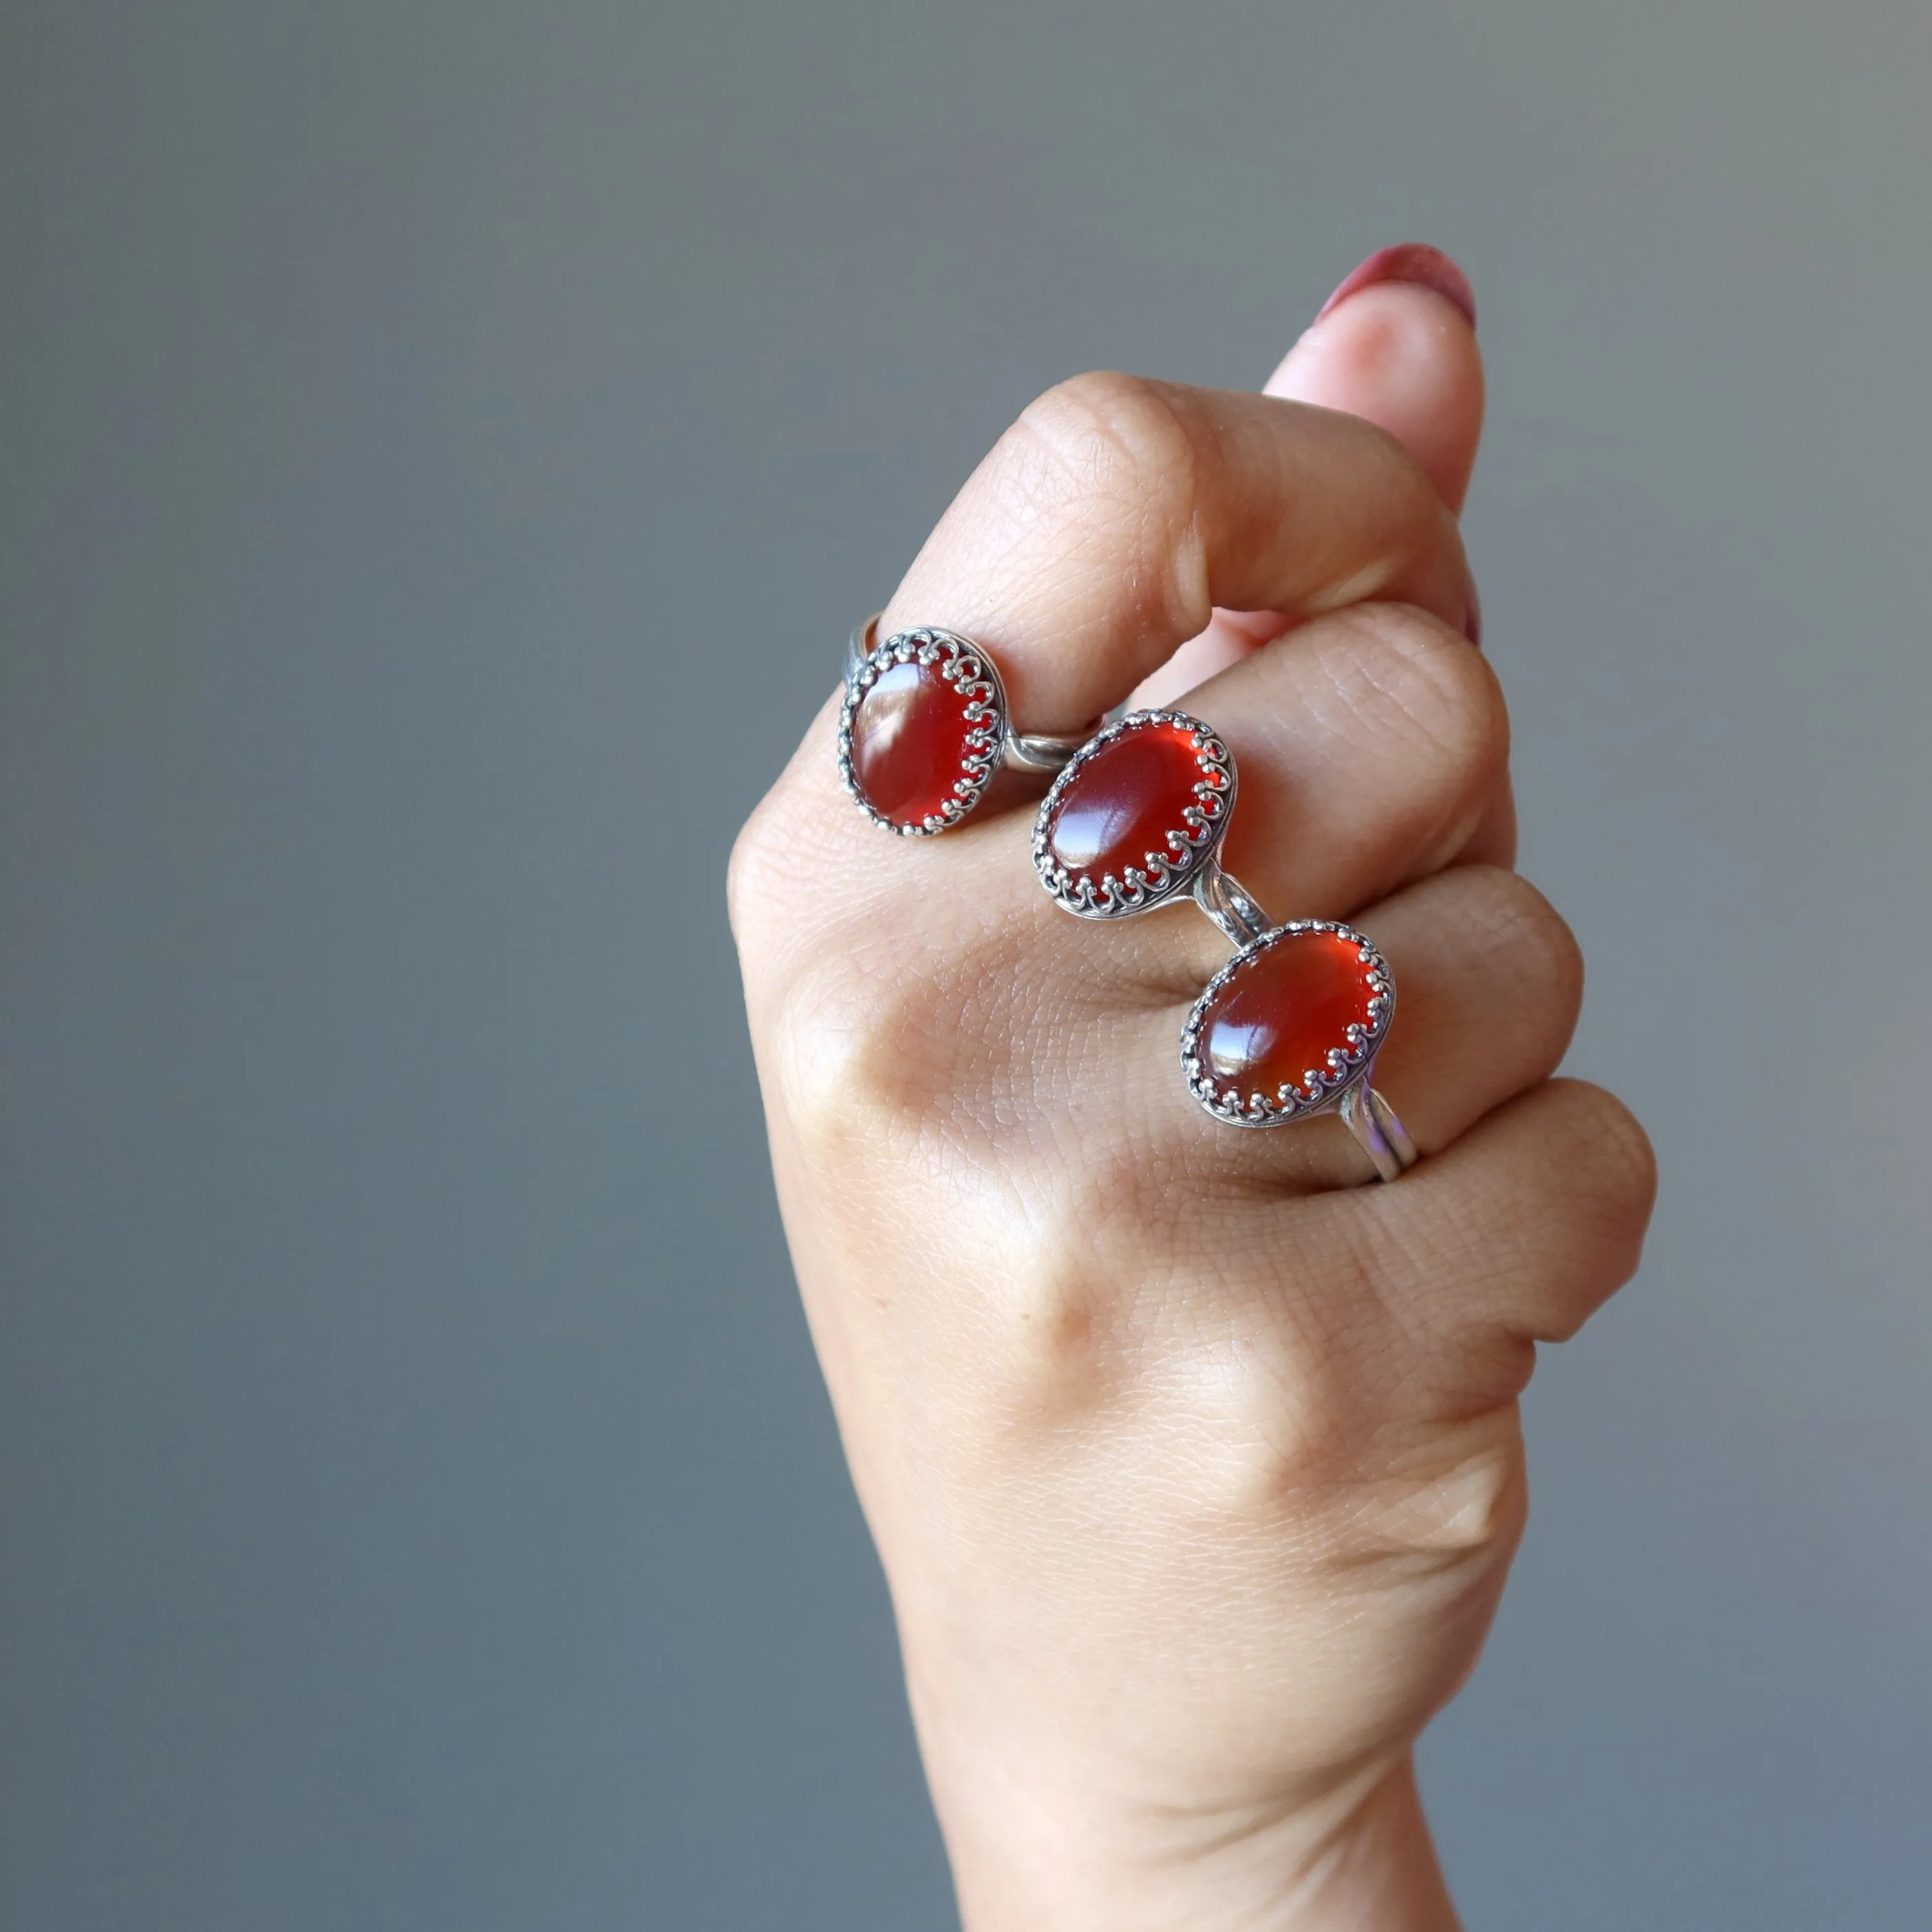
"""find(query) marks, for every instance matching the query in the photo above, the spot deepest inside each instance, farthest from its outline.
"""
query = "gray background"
(443, 447)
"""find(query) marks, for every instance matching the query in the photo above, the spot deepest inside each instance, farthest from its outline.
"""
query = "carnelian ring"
(1290, 1025)
(923, 726)
(1136, 817)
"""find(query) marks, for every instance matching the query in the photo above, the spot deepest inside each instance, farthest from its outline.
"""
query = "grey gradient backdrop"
(443, 445)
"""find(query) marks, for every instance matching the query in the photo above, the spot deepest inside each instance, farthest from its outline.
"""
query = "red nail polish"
(1409, 261)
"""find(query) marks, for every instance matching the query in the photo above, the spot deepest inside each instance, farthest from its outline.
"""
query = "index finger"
(1108, 522)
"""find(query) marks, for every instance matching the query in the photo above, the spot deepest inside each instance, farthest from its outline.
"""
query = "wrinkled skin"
(1194, 1462)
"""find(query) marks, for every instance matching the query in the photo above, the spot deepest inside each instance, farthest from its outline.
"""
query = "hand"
(1194, 1464)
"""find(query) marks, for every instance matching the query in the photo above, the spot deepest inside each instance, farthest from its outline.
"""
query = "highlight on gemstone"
(1289, 1023)
(919, 732)
(1133, 817)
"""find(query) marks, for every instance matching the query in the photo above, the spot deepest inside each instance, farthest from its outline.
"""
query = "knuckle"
(1613, 1155)
(801, 834)
(1063, 1262)
(1056, 1347)
(1100, 1309)
(1585, 1195)
(842, 1087)
(1420, 682)
(1393, 688)
(874, 1030)
(1110, 453)
(1535, 955)
(1110, 433)
(750, 873)
(1291, 1439)
(1285, 1414)
(1547, 946)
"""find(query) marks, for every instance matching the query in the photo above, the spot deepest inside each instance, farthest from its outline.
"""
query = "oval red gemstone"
(1281, 1011)
(910, 743)
(1128, 801)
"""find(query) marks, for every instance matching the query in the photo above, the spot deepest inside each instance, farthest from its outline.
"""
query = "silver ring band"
(1228, 903)
(1378, 1132)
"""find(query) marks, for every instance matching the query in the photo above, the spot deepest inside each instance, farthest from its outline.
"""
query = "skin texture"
(1194, 1464)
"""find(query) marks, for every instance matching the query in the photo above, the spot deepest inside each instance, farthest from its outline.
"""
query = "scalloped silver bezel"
(1323, 1087)
(962, 663)
(1165, 875)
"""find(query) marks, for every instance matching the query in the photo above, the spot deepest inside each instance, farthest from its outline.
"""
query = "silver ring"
(1243, 1077)
(921, 762)
(1289, 1028)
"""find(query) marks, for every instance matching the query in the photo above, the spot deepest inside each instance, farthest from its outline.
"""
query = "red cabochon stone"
(909, 737)
(1123, 802)
(1280, 1013)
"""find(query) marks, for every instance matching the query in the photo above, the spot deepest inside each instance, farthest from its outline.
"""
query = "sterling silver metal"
(1228, 904)
(1192, 869)
(1378, 1132)
(992, 744)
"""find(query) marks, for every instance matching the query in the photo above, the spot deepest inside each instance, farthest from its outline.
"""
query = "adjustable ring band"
(1290, 1026)
(925, 724)
(1228, 903)
(1378, 1132)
